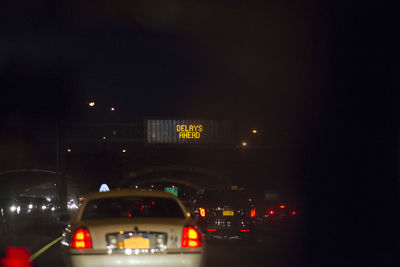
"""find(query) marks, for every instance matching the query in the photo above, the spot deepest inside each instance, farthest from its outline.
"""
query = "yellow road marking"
(43, 249)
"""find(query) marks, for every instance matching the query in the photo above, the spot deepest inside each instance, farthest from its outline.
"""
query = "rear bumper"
(172, 260)
(222, 233)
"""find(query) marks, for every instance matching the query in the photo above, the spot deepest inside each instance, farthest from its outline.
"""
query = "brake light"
(212, 230)
(202, 212)
(282, 206)
(81, 239)
(191, 237)
(253, 213)
(293, 213)
(244, 230)
(271, 212)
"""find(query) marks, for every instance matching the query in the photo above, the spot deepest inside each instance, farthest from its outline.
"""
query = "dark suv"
(227, 214)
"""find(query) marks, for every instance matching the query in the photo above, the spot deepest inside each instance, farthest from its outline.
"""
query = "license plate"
(228, 213)
(137, 242)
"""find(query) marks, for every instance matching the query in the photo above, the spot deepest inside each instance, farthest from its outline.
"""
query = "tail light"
(271, 212)
(202, 212)
(244, 230)
(191, 237)
(81, 239)
(282, 206)
(293, 213)
(211, 229)
(253, 213)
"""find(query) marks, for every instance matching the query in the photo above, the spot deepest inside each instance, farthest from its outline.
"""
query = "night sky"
(315, 76)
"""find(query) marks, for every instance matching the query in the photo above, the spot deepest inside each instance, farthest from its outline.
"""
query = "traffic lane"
(33, 237)
(51, 257)
(277, 247)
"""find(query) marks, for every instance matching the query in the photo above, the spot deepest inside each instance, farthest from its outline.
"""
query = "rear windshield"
(233, 198)
(132, 207)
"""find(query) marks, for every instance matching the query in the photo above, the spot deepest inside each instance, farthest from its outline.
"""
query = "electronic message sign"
(190, 132)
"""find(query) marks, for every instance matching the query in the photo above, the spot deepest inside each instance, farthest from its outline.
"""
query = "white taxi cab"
(132, 228)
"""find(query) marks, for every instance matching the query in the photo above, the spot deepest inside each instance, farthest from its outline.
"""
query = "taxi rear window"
(132, 207)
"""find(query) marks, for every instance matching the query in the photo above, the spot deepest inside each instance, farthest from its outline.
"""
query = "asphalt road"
(277, 247)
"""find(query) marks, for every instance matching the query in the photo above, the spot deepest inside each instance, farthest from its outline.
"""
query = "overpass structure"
(192, 153)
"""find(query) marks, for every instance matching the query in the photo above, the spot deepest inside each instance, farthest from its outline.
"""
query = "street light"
(123, 150)
(112, 109)
(69, 150)
(91, 104)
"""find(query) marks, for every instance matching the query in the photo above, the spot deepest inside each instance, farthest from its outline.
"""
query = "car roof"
(130, 192)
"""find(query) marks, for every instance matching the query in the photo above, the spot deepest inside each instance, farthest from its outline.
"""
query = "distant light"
(44, 207)
(244, 144)
(254, 131)
(91, 104)
(30, 206)
(69, 150)
(271, 212)
(123, 150)
(104, 188)
(53, 209)
(173, 186)
(48, 199)
(13, 208)
(136, 186)
(253, 213)
(282, 206)
(112, 109)
(152, 186)
(104, 138)
(293, 213)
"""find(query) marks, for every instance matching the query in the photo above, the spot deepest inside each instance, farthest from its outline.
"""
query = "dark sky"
(256, 60)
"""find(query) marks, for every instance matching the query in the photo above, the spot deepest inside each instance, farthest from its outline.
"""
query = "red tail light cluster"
(191, 237)
(253, 213)
(81, 239)
(293, 213)
(202, 212)
(271, 212)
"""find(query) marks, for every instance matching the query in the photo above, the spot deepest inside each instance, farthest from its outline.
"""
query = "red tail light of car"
(81, 239)
(293, 213)
(253, 213)
(271, 212)
(191, 237)
(202, 212)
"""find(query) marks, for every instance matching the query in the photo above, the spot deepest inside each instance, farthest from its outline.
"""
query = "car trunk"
(170, 228)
